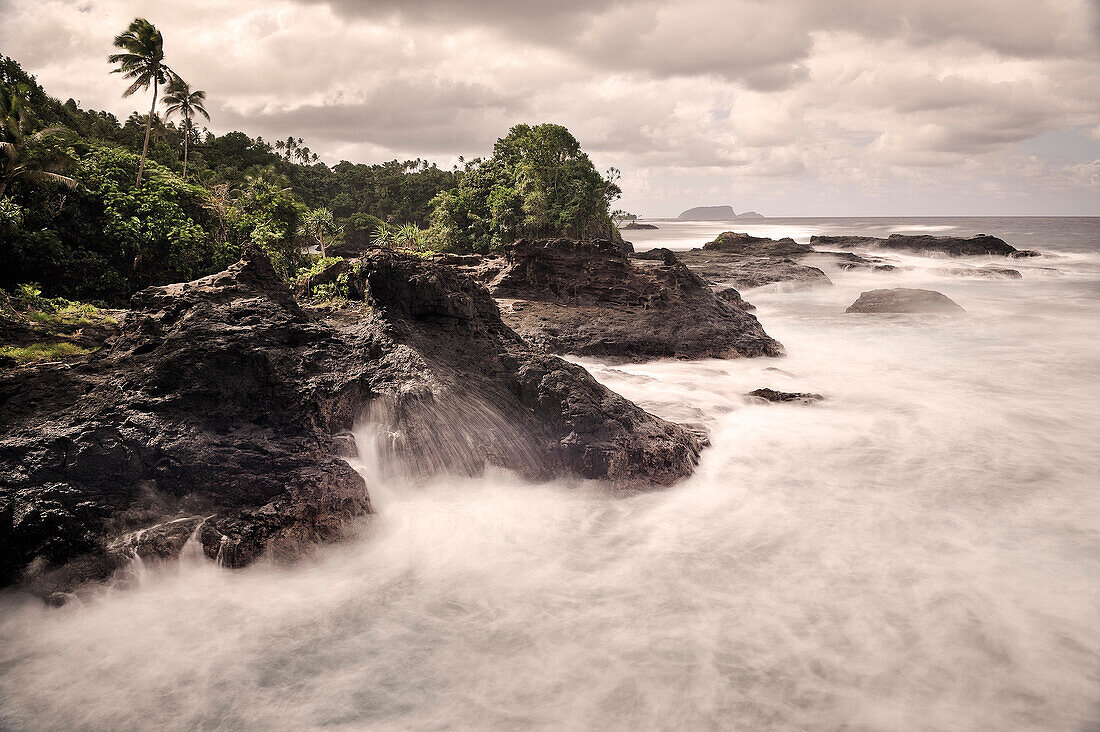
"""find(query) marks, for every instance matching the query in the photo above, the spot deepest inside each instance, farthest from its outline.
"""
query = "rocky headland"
(220, 414)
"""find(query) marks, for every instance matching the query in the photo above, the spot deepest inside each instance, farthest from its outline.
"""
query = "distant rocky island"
(716, 213)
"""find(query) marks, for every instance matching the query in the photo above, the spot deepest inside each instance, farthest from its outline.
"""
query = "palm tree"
(39, 156)
(185, 103)
(142, 61)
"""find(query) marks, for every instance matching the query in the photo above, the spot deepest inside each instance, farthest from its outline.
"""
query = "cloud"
(768, 100)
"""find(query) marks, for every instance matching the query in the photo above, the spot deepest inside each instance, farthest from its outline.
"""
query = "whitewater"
(918, 552)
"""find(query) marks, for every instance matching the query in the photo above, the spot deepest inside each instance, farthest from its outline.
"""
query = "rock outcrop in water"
(779, 397)
(956, 246)
(589, 299)
(734, 242)
(904, 300)
(221, 411)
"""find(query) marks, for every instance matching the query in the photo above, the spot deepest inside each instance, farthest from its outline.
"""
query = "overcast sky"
(787, 107)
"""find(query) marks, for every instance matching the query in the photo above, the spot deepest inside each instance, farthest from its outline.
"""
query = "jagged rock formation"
(590, 299)
(221, 412)
(904, 300)
(635, 225)
(957, 246)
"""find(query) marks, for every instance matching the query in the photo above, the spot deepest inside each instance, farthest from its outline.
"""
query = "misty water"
(919, 552)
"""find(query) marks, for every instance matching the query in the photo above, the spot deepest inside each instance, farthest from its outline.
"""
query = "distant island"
(716, 213)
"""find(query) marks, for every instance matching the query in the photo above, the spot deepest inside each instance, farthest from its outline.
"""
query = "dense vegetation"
(94, 208)
(538, 183)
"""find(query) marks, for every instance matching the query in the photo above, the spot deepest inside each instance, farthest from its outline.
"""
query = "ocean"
(918, 552)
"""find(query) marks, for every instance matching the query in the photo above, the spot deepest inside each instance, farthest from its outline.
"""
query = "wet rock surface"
(221, 411)
(590, 299)
(904, 300)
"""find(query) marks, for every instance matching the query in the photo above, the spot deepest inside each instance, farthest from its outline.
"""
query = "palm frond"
(43, 176)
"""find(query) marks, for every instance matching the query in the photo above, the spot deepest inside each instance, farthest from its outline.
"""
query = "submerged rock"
(590, 299)
(220, 414)
(771, 395)
(956, 246)
(985, 273)
(903, 300)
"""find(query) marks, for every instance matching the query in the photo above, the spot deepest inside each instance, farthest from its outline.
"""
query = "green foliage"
(538, 183)
(359, 229)
(315, 267)
(39, 155)
(265, 214)
(328, 293)
(108, 239)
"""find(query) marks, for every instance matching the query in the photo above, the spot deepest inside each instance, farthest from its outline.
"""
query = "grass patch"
(34, 352)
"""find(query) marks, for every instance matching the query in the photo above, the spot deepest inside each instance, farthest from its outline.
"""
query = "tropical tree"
(185, 104)
(143, 61)
(319, 228)
(41, 156)
(538, 183)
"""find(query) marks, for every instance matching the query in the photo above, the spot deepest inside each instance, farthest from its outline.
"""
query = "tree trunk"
(186, 139)
(3, 187)
(148, 128)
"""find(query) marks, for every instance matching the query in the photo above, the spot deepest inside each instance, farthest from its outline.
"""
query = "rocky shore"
(743, 261)
(221, 413)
